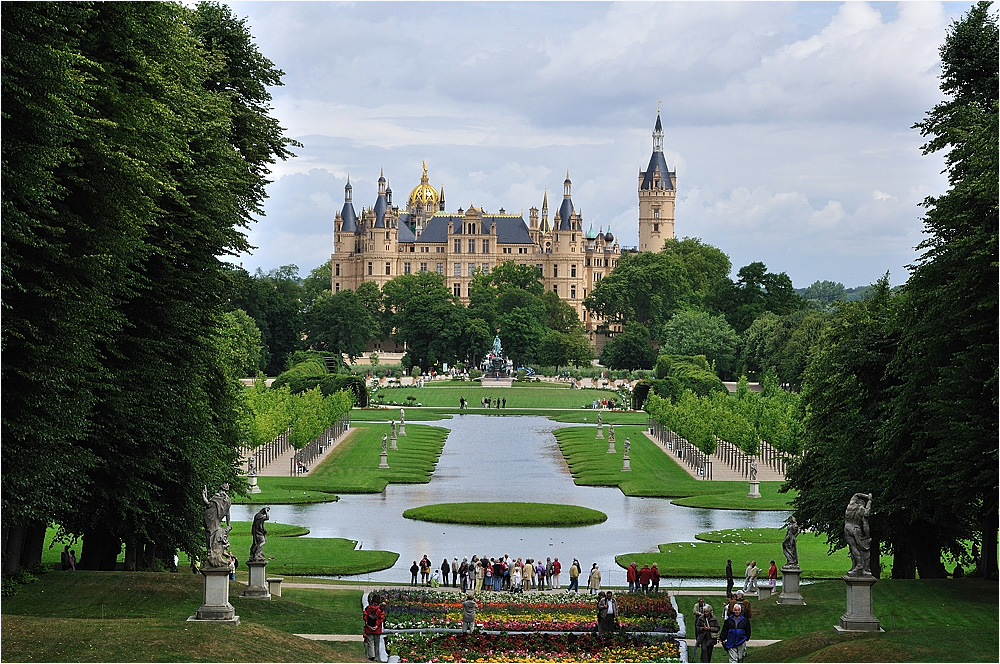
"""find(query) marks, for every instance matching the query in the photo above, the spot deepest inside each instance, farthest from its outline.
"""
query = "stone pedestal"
(258, 588)
(611, 447)
(626, 467)
(383, 460)
(754, 489)
(215, 607)
(252, 481)
(600, 432)
(790, 586)
(402, 428)
(859, 617)
(274, 585)
(392, 442)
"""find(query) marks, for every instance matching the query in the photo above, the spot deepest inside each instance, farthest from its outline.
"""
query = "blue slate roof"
(405, 234)
(657, 162)
(349, 217)
(565, 212)
(381, 205)
(510, 229)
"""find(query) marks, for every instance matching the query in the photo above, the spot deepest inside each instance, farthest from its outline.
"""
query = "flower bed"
(535, 612)
(480, 647)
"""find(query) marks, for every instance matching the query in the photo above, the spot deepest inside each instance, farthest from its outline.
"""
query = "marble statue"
(600, 422)
(611, 432)
(385, 443)
(259, 534)
(497, 348)
(858, 535)
(753, 471)
(216, 537)
(251, 467)
(628, 444)
(790, 546)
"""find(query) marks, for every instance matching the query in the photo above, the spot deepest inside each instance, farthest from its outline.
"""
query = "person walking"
(556, 569)
(632, 575)
(574, 577)
(454, 572)
(479, 572)
(594, 581)
(611, 617)
(655, 578)
(645, 575)
(425, 571)
(707, 630)
(374, 618)
(602, 611)
(746, 578)
(540, 575)
(754, 573)
(445, 571)
(729, 577)
(469, 608)
(414, 570)
(772, 575)
(735, 634)
(699, 609)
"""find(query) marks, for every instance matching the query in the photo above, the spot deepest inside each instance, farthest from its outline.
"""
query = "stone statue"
(259, 534)
(857, 534)
(497, 348)
(611, 432)
(600, 422)
(790, 546)
(251, 467)
(628, 444)
(394, 428)
(217, 537)
(402, 416)
(385, 443)
(753, 470)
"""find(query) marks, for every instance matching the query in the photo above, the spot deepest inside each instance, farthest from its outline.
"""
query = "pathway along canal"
(514, 459)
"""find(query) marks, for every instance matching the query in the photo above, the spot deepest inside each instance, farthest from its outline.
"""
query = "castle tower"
(657, 192)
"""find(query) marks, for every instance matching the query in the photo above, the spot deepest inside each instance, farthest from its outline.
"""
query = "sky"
(789, 124)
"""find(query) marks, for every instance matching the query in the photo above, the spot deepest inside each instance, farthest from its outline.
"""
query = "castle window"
(456, 289)
(486, 268)
(555, 288)
(370, 268)
(572, 238)
(472, 269)
(406, 267)
(656, 228)
(440, 268)
(388, 268)
(507, 250)
(539, 266)
(656, 213)
(439, 250)
(555, 270)
(572, 292)
(586, 262)
(387, 236)
(572, 270)
(336, 271)
(472, 246)
(458, 269)
(486, 246)
(336, 287)
(458, 246)
(423, 267)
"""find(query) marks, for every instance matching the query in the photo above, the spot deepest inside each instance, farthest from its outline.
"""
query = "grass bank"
(654, 473)
(507, 514)
(707, 558)
(352, 467)
(137, 617)
(534, 395)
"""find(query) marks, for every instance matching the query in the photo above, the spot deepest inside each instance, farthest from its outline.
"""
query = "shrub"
(303, 376)
(475, 374)
(355, 384)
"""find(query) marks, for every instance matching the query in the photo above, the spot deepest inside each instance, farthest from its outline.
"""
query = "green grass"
(535, 395)
(708, 558)
(352, 467)
(654, 473)
(135, 617)
(507, 514)
(392, 413)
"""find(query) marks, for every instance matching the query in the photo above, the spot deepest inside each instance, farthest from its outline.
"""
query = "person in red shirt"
(772, 575)
(655, 578)
(373, 617)
(632, 574)
(556, 568)
(644, 577)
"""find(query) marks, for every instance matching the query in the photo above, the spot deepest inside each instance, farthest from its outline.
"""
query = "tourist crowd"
(503, 573)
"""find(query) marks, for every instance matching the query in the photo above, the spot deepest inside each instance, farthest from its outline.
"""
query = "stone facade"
(386, 241)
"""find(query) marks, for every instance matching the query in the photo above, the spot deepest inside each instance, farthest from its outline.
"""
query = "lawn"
(507, 514)
(533, 396)
(135, 617)
(707, 558)
(352, 467)
(654, 473)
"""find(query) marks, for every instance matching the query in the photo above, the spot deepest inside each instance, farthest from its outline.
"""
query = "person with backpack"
(373, 617)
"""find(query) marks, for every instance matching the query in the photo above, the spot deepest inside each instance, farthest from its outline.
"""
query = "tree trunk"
(929, 562)
(100, 552)
(130, 556)
(13, 543)
(986, 566)
(149, 557)
(34, 540)
(904, 566)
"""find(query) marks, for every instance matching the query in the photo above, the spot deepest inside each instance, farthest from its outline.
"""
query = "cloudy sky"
(788, 123)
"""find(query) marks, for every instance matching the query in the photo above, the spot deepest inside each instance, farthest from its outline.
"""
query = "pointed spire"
(441, 200)
(658, 134)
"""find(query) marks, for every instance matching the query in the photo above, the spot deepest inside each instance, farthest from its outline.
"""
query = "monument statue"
(857, 534)
(251, 467)
(259, 534)
(497, 348)
(611, 431)
(628, 444)
(753, 470)
(790, 546)
(402, 416)
(394, 428)
(385, 443)
(217, 537)
(600, 422)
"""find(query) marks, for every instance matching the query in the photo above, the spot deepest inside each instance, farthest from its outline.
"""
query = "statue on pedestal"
(251, 467)
(385, 443)
(259, 534)
(753, 470)
(790, 546)
(857, 534)
(628, 444)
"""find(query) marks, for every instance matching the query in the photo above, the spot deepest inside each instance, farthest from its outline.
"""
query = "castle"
(386, 241)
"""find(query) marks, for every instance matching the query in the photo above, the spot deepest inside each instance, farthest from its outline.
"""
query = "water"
(513, 459)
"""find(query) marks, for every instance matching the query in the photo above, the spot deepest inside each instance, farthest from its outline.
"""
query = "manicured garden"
(654, 473)
(533, 395)
(707, 558)
(507, 514)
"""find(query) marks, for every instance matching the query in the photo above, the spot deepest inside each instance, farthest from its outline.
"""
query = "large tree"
(339, 323)
(944, 424)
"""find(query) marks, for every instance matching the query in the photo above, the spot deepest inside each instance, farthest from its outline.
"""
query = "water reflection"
(507, 459)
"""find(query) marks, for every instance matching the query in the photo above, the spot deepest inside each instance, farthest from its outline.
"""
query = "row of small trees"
(270, 412)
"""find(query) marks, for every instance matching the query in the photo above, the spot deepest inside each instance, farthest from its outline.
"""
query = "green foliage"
(782, 344)
(699, 333)
(821, 294)
(301, 376)
(272, 300)
(675, 374)
(629, 349)
(339, 323)
(507, 514)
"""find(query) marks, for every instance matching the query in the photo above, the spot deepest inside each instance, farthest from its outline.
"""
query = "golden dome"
(423, 194)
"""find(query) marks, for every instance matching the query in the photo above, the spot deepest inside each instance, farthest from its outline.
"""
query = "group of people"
(502, 574)
(67, 559)
(643, 580)
(750, 577)
(486, 402)
(732, 634)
